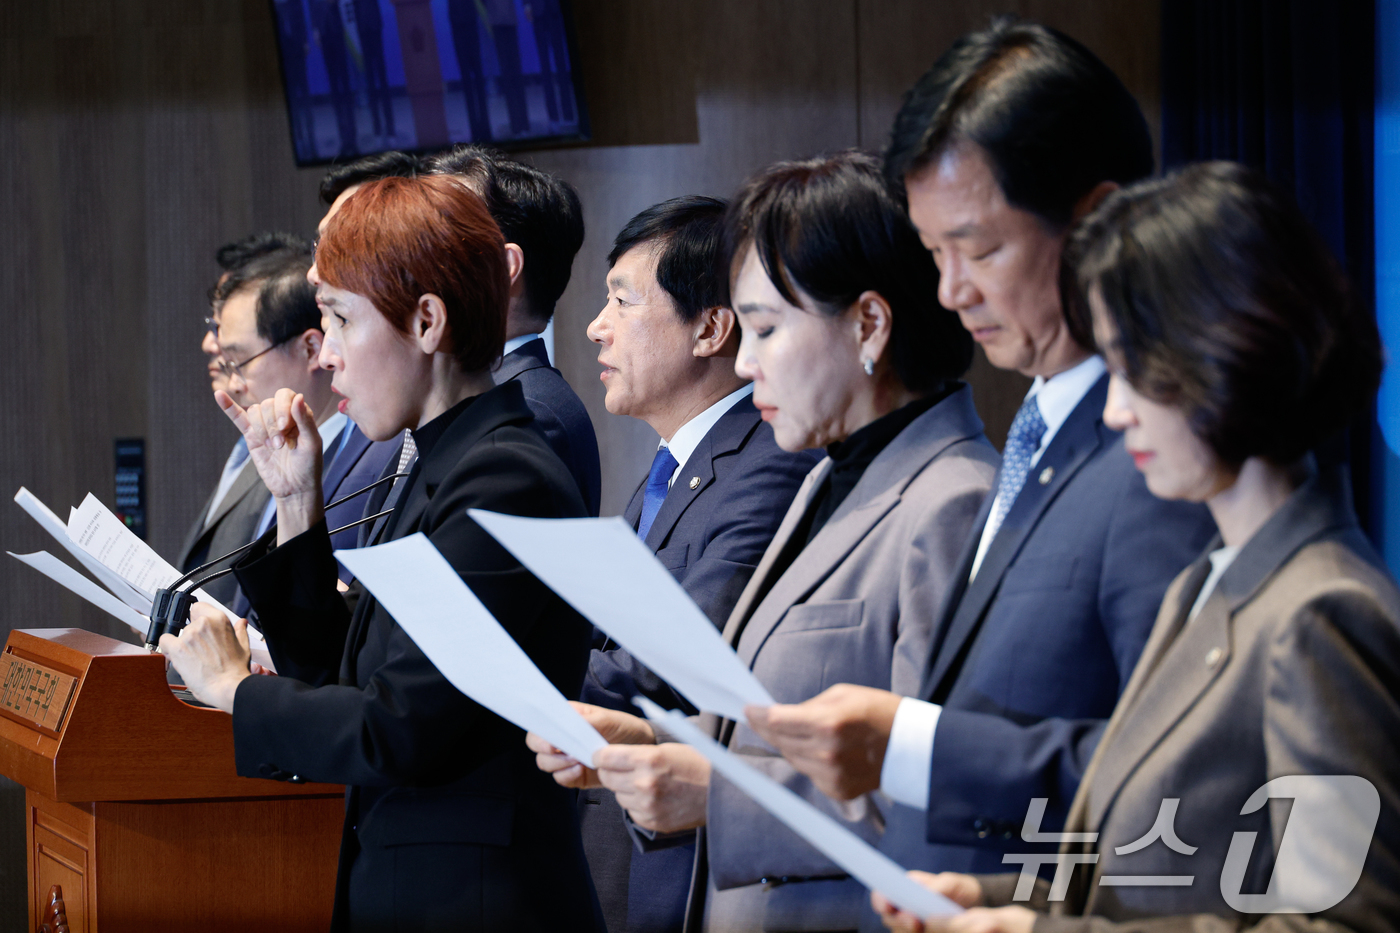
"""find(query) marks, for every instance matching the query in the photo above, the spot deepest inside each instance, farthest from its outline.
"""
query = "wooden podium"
(133, 806)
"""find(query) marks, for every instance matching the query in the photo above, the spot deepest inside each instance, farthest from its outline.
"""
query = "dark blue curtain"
(1286, 86)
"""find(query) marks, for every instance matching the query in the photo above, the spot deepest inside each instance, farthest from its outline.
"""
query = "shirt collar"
(1059, 395)
(515, 343)
(331, 428)
(690, 434)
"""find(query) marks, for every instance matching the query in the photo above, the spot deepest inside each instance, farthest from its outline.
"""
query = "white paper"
(861, 860)
(96, 530)
(54, 526)
(601, 568)
(67, 577)
(429, 601)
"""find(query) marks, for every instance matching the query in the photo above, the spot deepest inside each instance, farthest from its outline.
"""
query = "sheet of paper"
(429, 601)
(54, 526)
(861, 860)
(94, 528)
(601, 568)
(70, 579)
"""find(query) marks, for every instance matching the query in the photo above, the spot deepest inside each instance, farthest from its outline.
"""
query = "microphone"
(170, 609)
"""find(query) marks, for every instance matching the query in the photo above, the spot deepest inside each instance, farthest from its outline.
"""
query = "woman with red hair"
(448, 825)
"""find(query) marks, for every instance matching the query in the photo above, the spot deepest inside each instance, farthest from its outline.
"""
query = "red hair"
(397, 239)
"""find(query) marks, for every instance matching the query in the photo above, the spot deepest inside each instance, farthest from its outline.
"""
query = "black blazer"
(449, 824)
(559, 415)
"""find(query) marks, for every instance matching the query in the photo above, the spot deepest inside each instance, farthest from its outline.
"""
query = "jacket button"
(1213, 657)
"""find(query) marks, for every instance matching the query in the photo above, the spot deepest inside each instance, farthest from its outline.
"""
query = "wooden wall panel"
(138, 135)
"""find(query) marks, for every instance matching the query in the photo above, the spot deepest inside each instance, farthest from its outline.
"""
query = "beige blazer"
(857, 605)
(1291, 667)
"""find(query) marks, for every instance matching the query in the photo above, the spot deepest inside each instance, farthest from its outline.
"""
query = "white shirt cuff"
(905, 775)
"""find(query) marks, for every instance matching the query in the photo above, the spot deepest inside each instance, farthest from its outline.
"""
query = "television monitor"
(366, 76)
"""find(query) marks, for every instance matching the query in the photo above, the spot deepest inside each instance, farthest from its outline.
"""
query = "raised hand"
(282, 440)
(286, 450)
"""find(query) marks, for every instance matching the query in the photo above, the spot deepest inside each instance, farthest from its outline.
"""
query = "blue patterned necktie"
(1022, 442)
(658, 482)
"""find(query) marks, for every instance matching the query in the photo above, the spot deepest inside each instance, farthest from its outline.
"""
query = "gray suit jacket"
(857, 606)
(1292, 667)
(232, 526)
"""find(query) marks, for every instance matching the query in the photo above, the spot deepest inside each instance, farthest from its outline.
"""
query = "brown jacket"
(1292, 667)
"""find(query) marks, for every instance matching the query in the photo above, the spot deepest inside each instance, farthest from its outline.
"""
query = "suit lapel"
(247, 479)
(1181, 664)
(832, 545)
(879, 490)
(1076, 441)
(738, 618)
(697, 474)
(344, 461)
(528, 356)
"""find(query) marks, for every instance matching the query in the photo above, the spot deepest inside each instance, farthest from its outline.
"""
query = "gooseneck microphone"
(170, 609)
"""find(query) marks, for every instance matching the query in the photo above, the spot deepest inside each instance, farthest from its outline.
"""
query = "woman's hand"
(211, 655)
(663, 787)
(963, 890)
(615, 727)
(286, 450)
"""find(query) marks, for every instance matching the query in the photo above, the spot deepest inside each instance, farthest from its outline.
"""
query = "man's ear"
(309, 346)
(715, 330)
(1085, 205)
(515, 265)
(428, 327)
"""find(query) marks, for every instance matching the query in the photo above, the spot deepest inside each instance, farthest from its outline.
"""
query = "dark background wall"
(138, 135)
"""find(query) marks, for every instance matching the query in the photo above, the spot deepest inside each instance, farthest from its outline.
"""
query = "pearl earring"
(869, 365)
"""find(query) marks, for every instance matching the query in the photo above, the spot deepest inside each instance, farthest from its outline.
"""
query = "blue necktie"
(1022, 441)
(658, 482)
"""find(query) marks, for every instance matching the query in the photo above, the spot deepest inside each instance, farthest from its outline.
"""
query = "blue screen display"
(365, 76)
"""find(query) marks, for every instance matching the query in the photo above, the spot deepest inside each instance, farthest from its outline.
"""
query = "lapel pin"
(695, 482)
(1046, 475)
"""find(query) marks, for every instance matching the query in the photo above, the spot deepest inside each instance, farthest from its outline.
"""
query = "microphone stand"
(170, 609)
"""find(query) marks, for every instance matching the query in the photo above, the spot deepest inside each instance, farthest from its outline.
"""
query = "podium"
(133, 806)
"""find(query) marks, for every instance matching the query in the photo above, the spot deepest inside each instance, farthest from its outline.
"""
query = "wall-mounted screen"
(365, 76)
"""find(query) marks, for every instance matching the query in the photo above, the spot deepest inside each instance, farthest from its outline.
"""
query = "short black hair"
(286, 300)
(232, 256)
(535, 210)
(1228, 305)
(392, 164)
(1052, 119)
(686, 233)
(292, 252)
(830, 227)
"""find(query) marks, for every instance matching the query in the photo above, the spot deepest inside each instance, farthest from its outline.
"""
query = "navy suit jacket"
(1030, 657)
(712, 529)
(559, 415)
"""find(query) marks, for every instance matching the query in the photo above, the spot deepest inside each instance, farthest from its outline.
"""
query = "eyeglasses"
(211, 324)
(230, 369)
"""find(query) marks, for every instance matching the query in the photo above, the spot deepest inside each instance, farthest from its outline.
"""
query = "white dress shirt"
(515, 343)
(689, 435)
(906, 772)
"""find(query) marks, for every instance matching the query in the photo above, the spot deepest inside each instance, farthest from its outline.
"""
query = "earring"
(869, 366)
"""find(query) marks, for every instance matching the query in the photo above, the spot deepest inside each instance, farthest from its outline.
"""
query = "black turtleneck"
(427, 436)
(849, 460)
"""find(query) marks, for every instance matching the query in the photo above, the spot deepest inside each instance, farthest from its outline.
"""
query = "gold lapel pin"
(695, 482)
(1046, 475)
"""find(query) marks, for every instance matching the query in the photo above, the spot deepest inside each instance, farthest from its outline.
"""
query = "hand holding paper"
(869, 866)
(601, 568)
(429, 601)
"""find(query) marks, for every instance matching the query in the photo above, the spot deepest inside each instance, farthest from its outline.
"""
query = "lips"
(1141, 457)
(343, 403)
(766, 412)
(607, 370)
